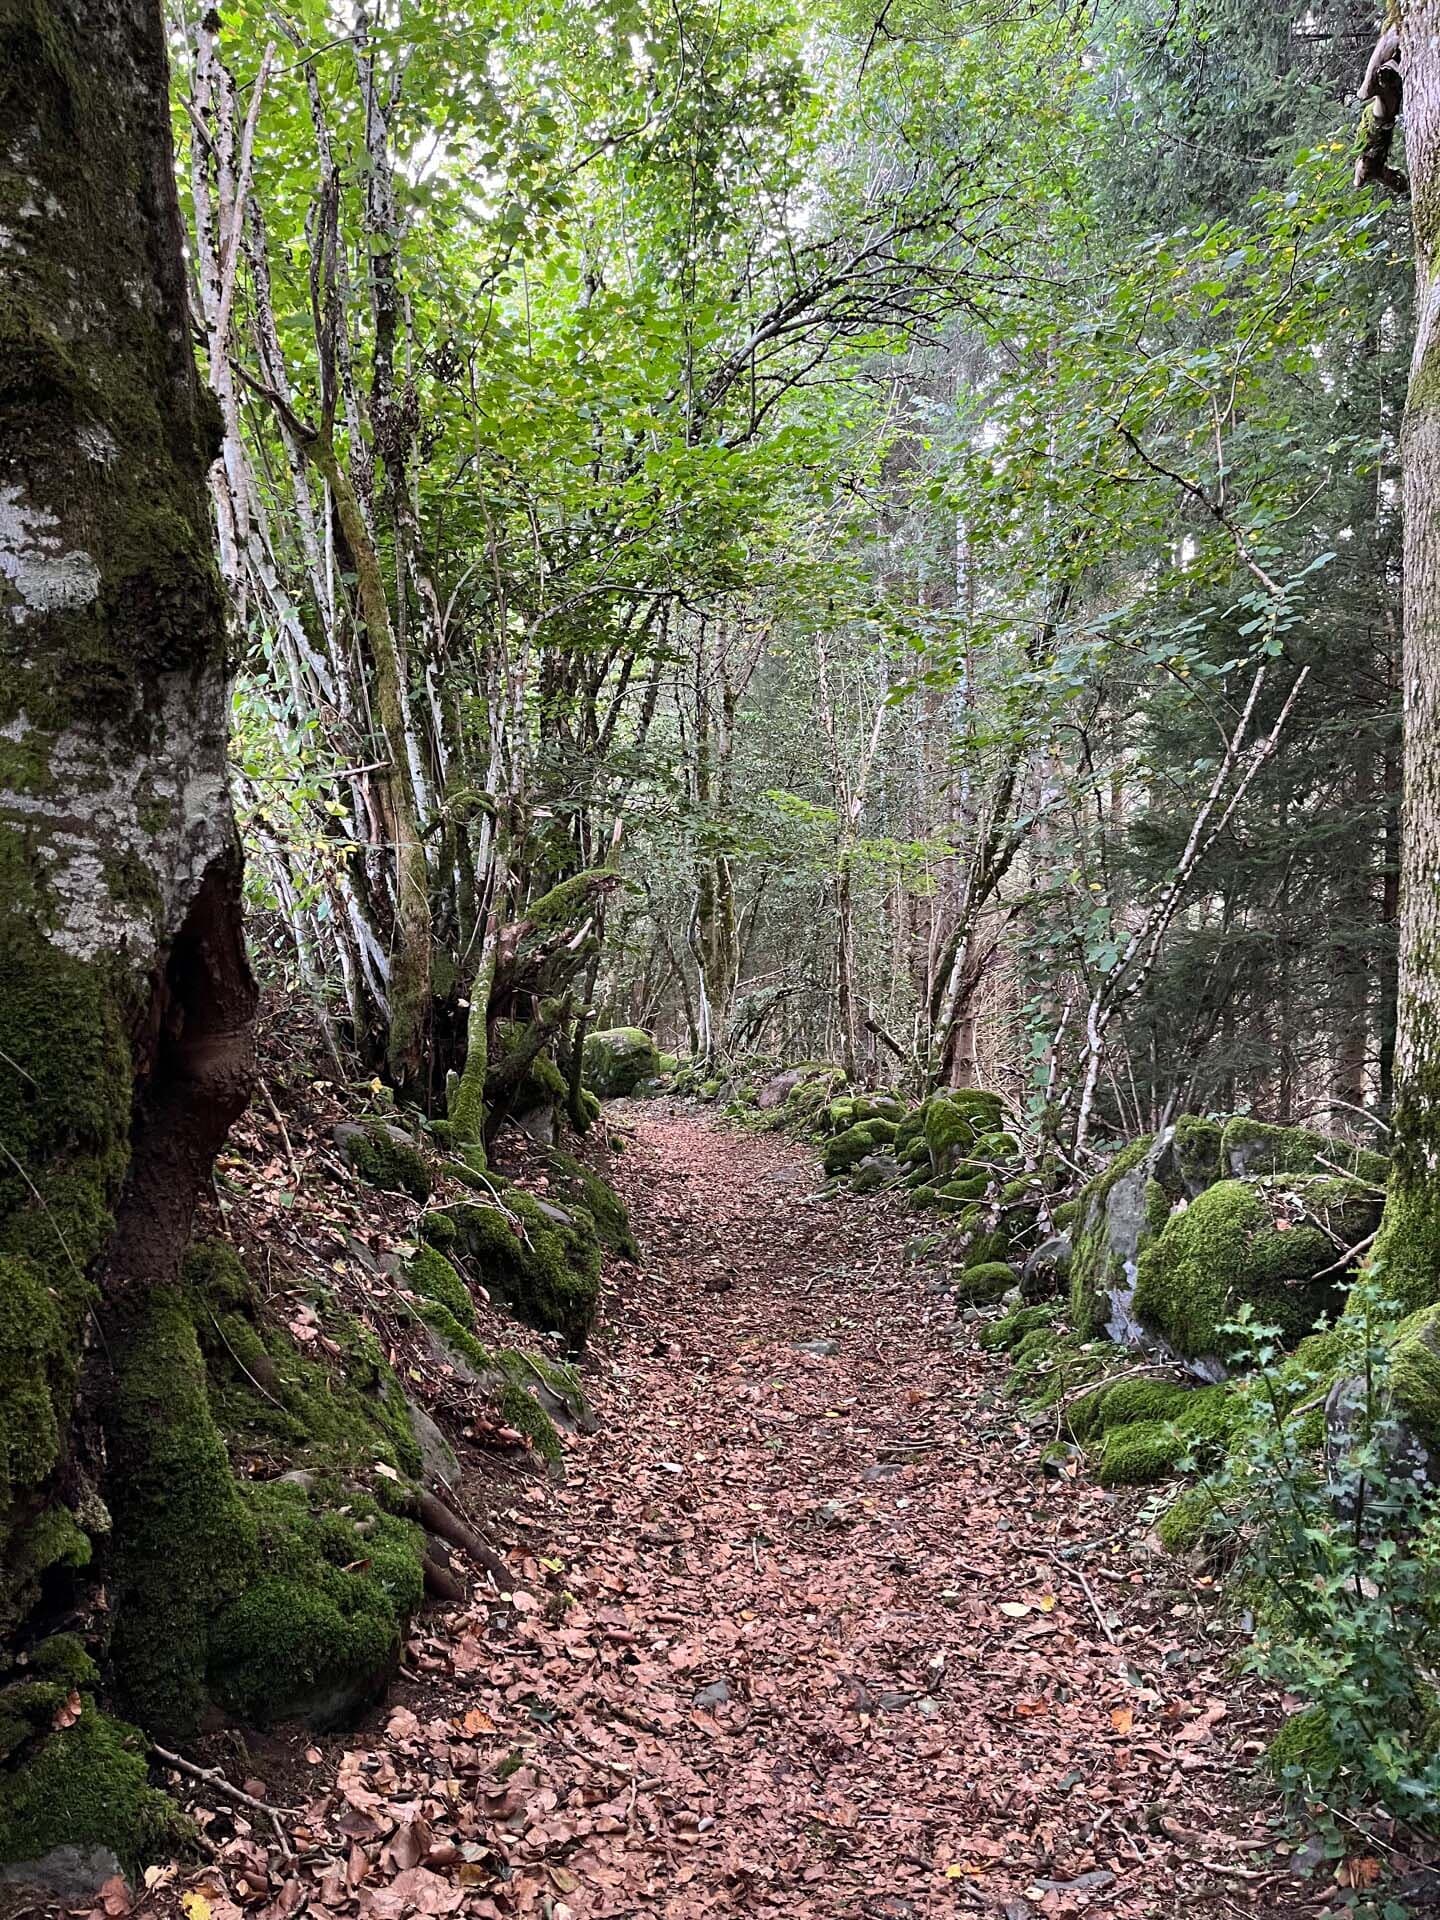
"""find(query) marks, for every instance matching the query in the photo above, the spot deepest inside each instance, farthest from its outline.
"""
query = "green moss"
(949, 1133)
(88, 1786)
(221, 1588)
(269, 1396)
(984, 1283)
(185, 1543)
(577, 1183)
(1127, 1402)
(1196, 1152)
(431, 1275)
(984, 1109)
(1140, 1451)
(1250, 1147)
(1011, 1328)
(439, 1230)
(387, 1162)
(512, 1377)
(319, 1632)
(618, 1060)
(1415, 1374)
(996, 1147)
(1250, 1242)
(971, 1187)
(1303, 1753)
(1188, 1521)
(65, 1101)
(984, 1248)
(845, 1150)
(546, 1271)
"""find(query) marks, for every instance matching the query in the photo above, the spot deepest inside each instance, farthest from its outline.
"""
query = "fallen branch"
(216, 1781)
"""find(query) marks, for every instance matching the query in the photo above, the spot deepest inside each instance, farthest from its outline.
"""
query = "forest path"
(831, 1652)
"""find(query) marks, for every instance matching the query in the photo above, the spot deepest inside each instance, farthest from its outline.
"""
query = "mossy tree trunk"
(125, 998)
(1407, 1252)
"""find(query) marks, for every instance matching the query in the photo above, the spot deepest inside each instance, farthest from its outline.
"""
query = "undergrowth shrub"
(1338, 1557)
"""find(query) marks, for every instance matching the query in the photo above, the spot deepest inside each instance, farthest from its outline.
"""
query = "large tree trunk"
(125, 999)
(1407, 1252)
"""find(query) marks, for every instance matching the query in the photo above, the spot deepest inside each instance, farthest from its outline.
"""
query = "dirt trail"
(831, 1649)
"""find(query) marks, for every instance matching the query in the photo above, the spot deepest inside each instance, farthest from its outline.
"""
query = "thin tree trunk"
(1407, 1251)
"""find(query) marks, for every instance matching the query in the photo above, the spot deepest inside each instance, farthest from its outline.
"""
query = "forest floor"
(806, 1629)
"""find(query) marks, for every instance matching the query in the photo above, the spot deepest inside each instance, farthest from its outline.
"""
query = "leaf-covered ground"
(807, 1630)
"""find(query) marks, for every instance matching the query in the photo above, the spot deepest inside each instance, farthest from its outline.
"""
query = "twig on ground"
(216, 1781)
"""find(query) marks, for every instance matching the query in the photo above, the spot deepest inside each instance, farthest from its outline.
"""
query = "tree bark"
(125, 999)
(1407, 1252)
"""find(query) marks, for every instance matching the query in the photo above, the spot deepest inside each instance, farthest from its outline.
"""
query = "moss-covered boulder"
(540, 1260)
(580, 1186)
(875, 1173)
(984, 1283)
(1251, 1147)
(1276, 1244)
(84, 1787)
(949, 1133)
(846, 1150)
(1136, 1452)
(619, 1060)
(538, 1398)
(1123, 1209)
(386, 1157)
(853, 1110)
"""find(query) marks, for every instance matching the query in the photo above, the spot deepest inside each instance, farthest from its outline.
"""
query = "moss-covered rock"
(581, 1186)
(431, 1275)
(542, 1262)
(386, 1157)
(88, 1786)
(619, 1060)
(983, 1284)
(1303, 1753)
(1011, 1328)
(949, 1133)
(535, 1396)
(1124, 1402)
(846, 1150)
(1188, 1522)
(1251, 1147)
(1272, 1243)
(1140, 1451)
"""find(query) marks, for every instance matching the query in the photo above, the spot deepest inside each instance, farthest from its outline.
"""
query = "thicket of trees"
(922, 505)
